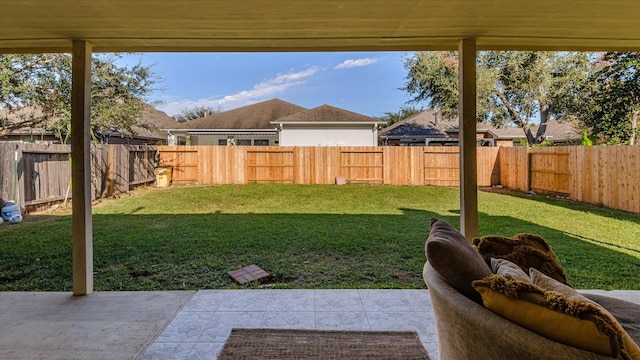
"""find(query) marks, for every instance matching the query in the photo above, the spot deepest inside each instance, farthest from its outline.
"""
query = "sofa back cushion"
(455, 259)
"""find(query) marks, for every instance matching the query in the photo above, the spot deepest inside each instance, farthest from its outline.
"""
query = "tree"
(613, 109)
(43, 82)
(404, 112)
(512, 87)
(196, 113)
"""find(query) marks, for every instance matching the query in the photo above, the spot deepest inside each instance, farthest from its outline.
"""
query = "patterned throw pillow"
(525, 250)
(507, 268)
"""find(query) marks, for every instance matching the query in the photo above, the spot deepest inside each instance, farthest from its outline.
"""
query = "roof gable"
(256, 116)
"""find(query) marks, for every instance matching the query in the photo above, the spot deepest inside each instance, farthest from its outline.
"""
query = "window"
(222, 142)
(245, 142)
(261, 142)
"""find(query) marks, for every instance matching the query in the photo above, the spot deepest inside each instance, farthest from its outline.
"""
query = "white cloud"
(261, 91)
(351, 63)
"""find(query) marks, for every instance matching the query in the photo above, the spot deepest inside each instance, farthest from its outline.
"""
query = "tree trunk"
(530, 139)
(516, 117)
(542, 128)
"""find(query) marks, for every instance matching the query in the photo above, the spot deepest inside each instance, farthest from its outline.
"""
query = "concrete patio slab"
(103, 325)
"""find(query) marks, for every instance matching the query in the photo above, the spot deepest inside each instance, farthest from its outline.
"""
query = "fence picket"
(44, 171)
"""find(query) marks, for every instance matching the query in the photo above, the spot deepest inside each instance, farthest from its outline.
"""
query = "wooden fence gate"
(549, 171)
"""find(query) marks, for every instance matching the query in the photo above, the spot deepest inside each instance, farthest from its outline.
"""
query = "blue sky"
(363, 82)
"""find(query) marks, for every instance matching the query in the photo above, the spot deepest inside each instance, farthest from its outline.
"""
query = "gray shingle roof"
(153, 118)
(328, 114)
(256, 116)
(559, 131)
(428, 123)
(500, 132)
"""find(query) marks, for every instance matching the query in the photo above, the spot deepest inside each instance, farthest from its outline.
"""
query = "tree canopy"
(196, 112)
(512, 87)
(612, 107)
(42, 82)
(404, 112)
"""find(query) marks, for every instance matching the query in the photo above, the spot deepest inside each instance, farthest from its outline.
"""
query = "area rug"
(322, 344)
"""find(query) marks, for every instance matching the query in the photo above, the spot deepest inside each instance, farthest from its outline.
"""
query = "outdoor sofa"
(456, 271)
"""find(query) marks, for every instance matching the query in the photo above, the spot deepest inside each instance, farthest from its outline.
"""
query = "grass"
(306, 236)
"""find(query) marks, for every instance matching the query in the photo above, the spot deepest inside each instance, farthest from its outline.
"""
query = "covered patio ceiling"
(317, 25)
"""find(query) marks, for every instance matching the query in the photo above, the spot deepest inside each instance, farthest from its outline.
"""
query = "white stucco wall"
(292, 135)
(213, 139)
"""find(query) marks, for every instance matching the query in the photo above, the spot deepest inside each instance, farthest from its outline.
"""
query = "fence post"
(127, 175)
(529, 172)
(110, 168)
(19, 169)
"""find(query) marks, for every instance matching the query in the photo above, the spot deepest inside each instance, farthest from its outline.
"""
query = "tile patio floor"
(200, 329)
(195, 324)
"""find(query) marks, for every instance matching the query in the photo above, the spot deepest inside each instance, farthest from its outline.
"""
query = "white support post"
(81, 168)
(468, 156)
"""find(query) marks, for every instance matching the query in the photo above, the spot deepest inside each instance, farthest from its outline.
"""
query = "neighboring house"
(560, 133)
(26, 133)
(150, 134)
(249, 125)
(424, 128)
(489, 135)
(429, 128)
(277, 122)
(327, 126)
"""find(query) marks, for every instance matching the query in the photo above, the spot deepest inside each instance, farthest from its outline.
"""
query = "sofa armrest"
(467, 330)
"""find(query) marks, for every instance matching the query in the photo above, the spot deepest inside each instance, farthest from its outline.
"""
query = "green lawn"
(306, 236)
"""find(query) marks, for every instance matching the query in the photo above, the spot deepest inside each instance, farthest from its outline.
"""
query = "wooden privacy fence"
(393, 165)
(599, 175)
(118, 168)
(42, 174)
(33, 174)
(606, 175)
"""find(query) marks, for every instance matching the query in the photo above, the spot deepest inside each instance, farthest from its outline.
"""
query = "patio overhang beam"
(314, 25)
(595, 45)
